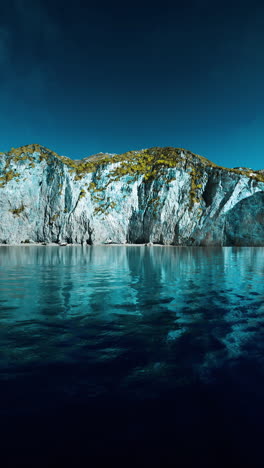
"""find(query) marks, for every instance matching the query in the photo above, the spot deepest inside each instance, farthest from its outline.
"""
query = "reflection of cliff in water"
(125, 315)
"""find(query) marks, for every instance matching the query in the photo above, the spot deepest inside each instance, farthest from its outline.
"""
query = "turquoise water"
(117, 353)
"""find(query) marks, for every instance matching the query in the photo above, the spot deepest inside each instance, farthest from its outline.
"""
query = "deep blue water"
(131, 356)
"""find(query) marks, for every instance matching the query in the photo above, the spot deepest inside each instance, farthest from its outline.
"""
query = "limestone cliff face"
(159, 195)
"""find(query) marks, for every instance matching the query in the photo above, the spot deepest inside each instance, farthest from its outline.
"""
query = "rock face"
(159, 195)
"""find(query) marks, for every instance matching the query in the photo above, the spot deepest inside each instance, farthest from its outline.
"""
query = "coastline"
(53, 244)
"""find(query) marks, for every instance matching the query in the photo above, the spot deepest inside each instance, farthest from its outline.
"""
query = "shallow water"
(131, 353)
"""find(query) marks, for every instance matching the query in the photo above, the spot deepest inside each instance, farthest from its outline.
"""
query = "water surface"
(131, 353)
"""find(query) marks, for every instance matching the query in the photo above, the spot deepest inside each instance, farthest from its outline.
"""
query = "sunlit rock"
(159, 195)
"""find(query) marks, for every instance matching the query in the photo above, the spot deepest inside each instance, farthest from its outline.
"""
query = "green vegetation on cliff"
(19, 210)
(149, 163)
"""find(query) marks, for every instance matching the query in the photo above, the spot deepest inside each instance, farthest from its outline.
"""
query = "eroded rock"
(160, 196)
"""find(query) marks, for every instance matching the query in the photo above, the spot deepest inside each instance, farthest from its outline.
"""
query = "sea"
(131, 356)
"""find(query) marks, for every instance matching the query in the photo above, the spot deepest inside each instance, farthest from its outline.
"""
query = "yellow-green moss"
(105, 206)
(196, 176)
(7, 176)
(53, 218)
(82, 194)
(18, 211)
(98, 210)
(145, 162)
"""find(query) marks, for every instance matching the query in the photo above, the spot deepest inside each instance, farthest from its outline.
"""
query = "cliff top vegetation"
(148, 162)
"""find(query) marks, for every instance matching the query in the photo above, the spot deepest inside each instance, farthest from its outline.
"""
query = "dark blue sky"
(81, 79)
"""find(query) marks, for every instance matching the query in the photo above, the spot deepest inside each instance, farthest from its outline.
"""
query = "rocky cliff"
(159, 195)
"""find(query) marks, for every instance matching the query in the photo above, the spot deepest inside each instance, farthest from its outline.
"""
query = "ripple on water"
(179, 310)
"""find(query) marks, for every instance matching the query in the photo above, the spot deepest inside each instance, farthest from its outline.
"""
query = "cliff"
(159, 195)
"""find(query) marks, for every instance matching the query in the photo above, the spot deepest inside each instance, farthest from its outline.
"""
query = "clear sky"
(115, 76)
